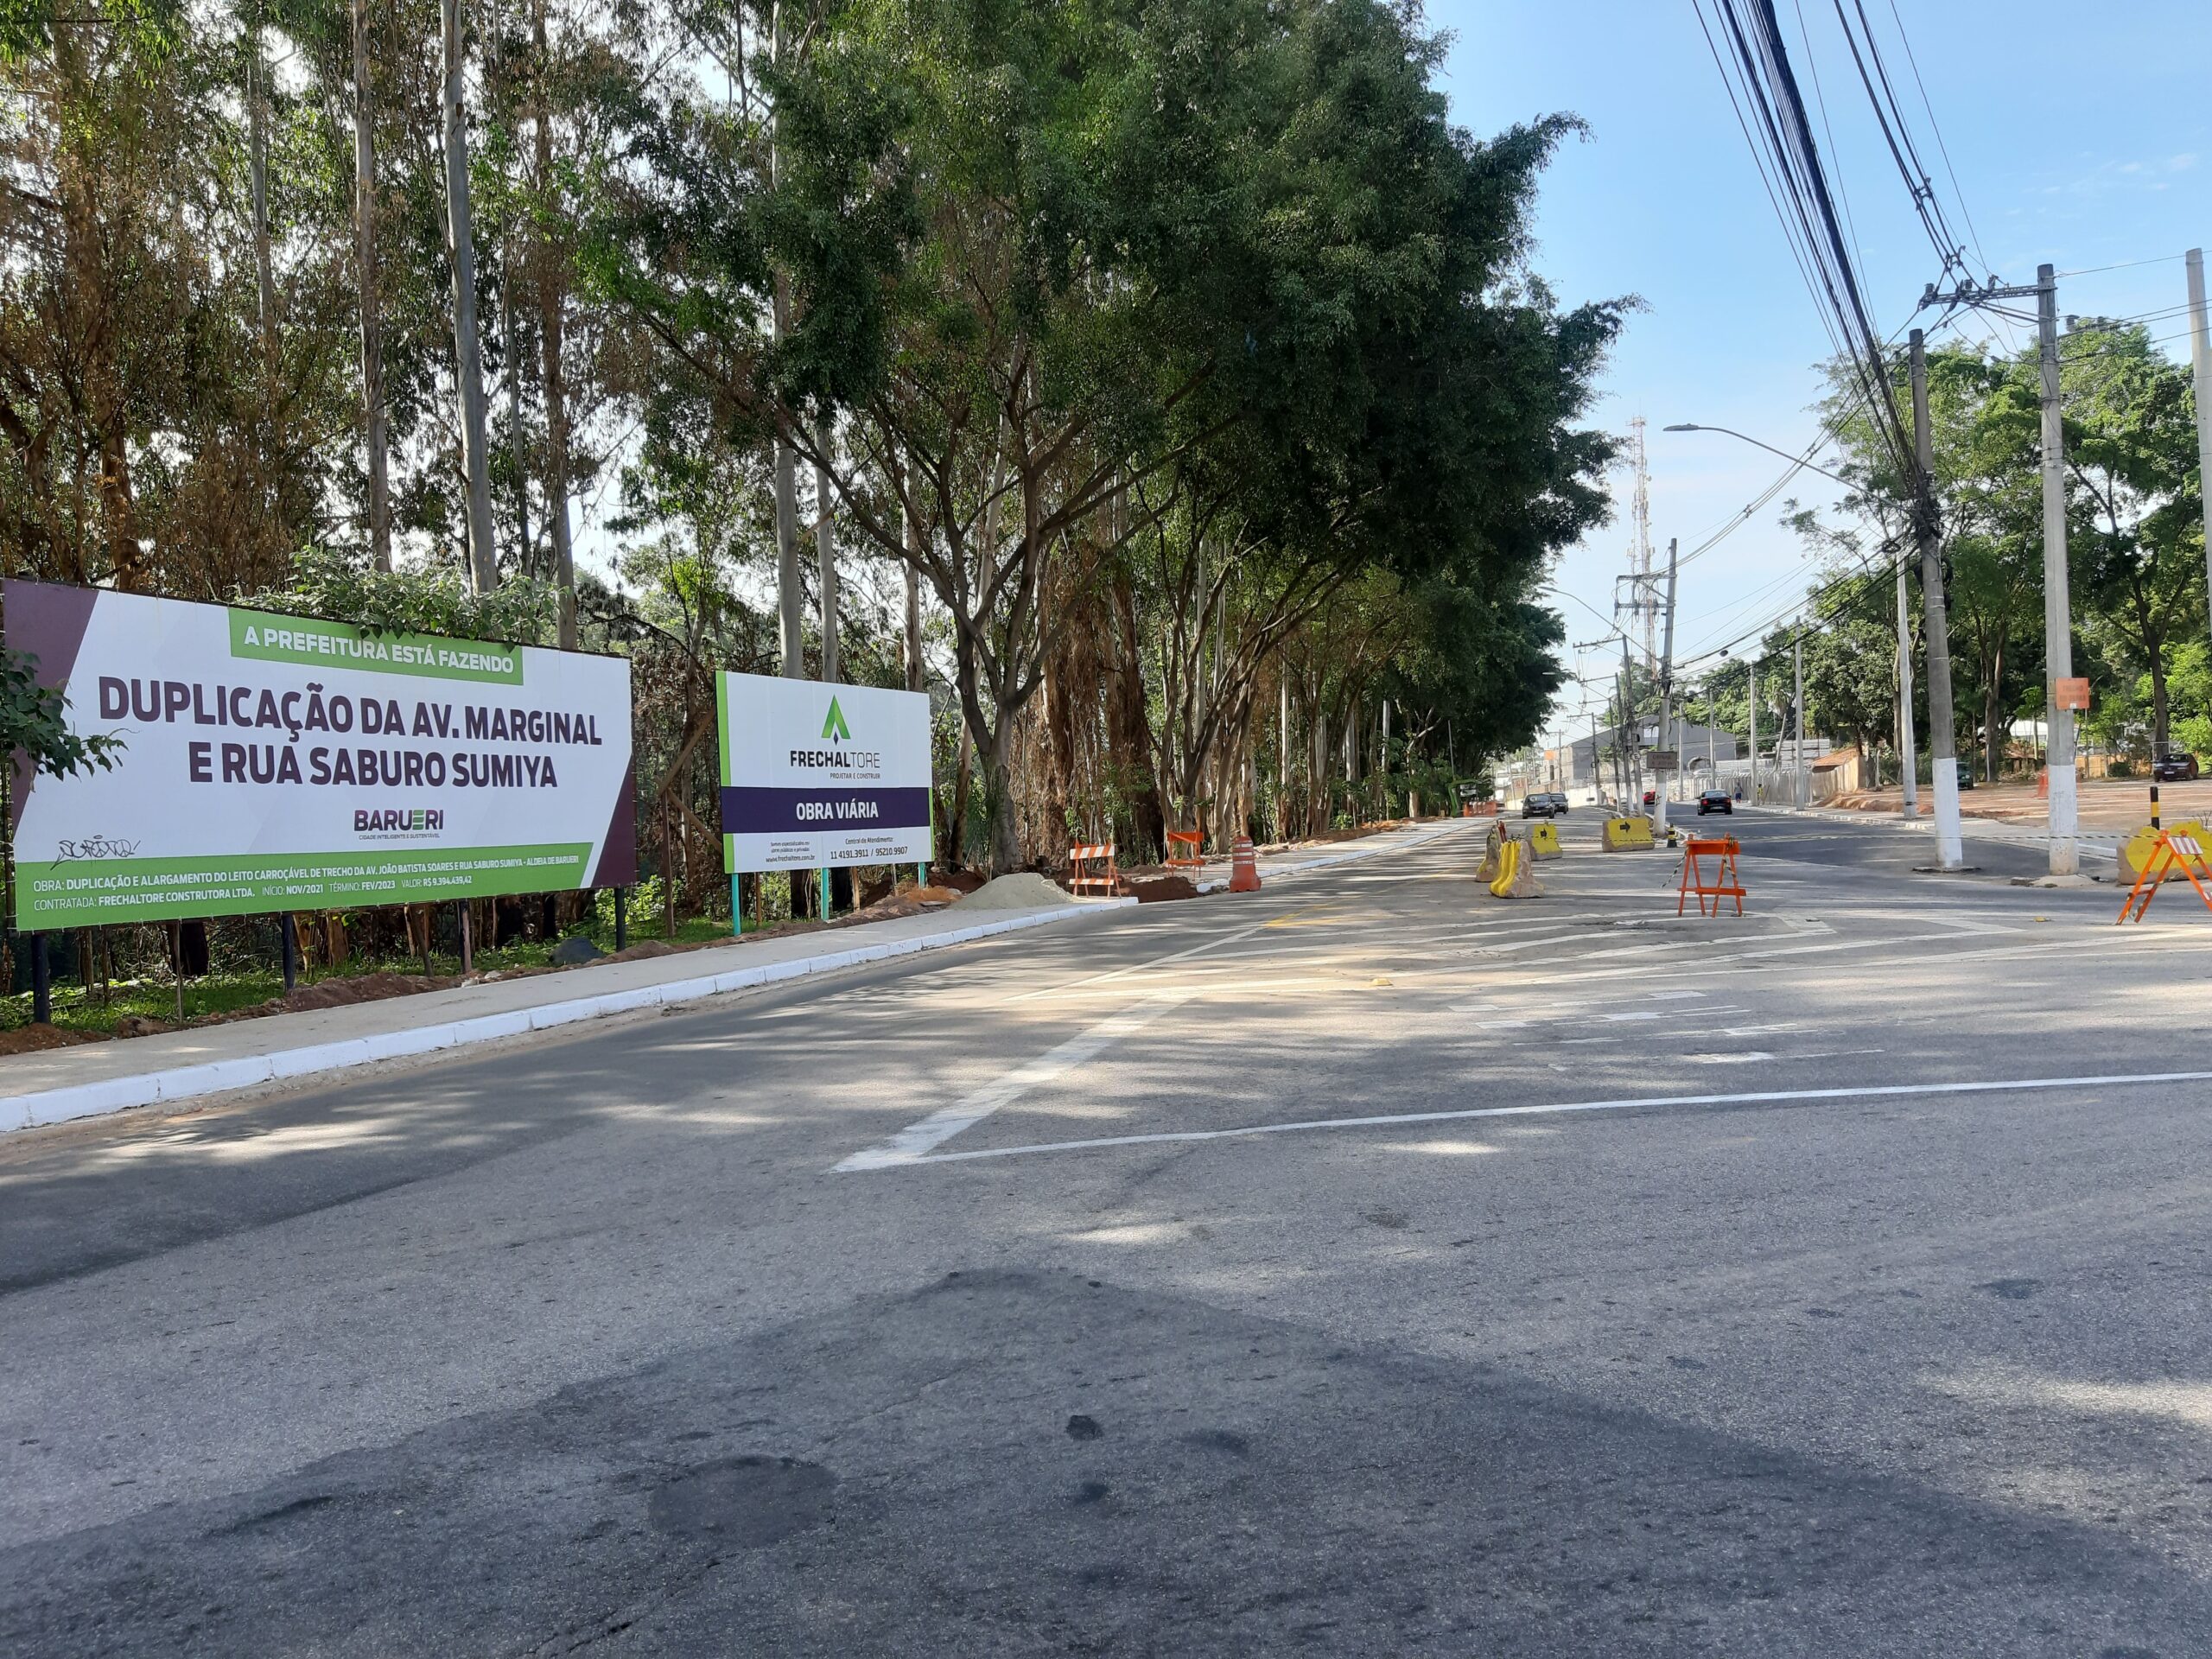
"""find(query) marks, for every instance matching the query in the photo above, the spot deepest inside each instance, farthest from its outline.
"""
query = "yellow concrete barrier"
(1543, 839)
(1516, 872)
(2135, 851)
(1628, 834)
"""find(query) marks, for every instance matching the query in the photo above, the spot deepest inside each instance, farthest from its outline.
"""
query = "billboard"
(276, 762)
(816, 774)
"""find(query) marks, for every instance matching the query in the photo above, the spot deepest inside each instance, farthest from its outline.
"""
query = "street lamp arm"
(1800, 461)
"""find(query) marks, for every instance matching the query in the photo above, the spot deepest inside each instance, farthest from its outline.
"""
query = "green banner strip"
(81, 893)
(334, 645)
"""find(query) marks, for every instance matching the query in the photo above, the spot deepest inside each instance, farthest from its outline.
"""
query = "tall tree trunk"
(516, 436)
(468, 355)
(365, 256)
(83, 260)
(257, 173)
(552, 303)
(825, 549)
(1129, 722)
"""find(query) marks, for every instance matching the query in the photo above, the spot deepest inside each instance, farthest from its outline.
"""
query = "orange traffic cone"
(1245, 869)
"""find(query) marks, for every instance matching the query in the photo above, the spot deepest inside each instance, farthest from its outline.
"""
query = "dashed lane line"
(916, 1139)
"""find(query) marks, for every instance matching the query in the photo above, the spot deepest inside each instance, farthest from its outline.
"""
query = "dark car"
(1538, 806)
(2179, 767)
(1559, 803)
(1716, 800)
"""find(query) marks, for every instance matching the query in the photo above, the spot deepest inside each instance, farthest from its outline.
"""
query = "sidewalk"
(2092, 844)
(56, 1085)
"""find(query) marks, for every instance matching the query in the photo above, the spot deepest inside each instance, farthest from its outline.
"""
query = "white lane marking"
(1742, 1057)
(1642, 1014)
(1674, 996)
(910, 1143)
(1765, 1097)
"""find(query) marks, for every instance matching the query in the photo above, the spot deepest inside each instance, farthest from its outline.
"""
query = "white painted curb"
(52, 1106)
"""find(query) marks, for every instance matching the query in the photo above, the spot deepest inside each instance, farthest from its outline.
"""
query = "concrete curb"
(51, 1106)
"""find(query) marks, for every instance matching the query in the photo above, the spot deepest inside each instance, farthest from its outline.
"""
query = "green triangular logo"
(834, 726)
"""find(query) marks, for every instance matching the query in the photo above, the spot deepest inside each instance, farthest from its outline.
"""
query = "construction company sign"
(816, 775)
(275, 763)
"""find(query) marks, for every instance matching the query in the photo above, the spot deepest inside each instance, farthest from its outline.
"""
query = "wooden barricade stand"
(1726, 883)
(1185, 849)
(1084, 873)
(2171, 851)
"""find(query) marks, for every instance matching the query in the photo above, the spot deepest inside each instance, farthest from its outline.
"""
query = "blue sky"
(2082, 136)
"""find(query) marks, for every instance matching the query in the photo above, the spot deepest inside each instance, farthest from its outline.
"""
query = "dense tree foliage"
(1163, 383)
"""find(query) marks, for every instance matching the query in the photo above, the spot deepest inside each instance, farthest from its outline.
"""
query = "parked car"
(1538, 806)
(1559, 803)
(1716, 800)
(1650, 799)
(2177, 767)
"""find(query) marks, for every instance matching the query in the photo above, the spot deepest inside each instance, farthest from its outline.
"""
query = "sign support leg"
(42, 982)
(736, 908)
(287, 940)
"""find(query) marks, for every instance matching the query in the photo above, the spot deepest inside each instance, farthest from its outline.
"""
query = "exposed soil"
(1152, 890)
(33, 1039)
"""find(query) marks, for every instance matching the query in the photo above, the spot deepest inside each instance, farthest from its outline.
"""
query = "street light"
(1908, 762)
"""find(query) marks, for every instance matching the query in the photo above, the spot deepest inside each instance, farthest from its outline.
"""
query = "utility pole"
(1801, 785)
(1908, 755)
(1627, 735)
(1667, 690)
(1950, 849)
(1751, 685)
(468, 355)
(2200, 358)
(2057, 608)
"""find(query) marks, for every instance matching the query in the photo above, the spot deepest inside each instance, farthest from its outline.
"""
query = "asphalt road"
(1365, 1267)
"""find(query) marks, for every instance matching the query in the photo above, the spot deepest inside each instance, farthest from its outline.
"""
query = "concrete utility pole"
(1629, 732)
(468, 355)
(1667, 691)
(1943, 739)
(1908, 755)
(2200, 358)
(2057, 608)
(1800, 784)
(1751, 684)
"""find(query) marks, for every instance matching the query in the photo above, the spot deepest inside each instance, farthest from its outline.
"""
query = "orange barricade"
(1726, 883)
(2173, 850)
(1183, 849)
(1083, 869)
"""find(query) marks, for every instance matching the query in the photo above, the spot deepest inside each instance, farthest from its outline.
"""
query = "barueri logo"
(833, 729)
(388, 821)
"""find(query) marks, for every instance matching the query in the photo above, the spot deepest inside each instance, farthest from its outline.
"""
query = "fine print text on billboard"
(816, 775)
(276, 762)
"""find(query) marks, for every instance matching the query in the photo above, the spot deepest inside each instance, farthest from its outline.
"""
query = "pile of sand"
(1024, 890)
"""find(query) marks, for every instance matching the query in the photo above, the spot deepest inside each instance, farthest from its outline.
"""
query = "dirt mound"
(362, 987)
(32, 1039)
(1151, 890)
(1023, 890)
(959, 880)
(643, 949)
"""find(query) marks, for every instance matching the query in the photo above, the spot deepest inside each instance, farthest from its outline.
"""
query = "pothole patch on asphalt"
(746, 1503)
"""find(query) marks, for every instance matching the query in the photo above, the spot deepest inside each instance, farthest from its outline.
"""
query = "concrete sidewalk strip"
(57, 1085)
